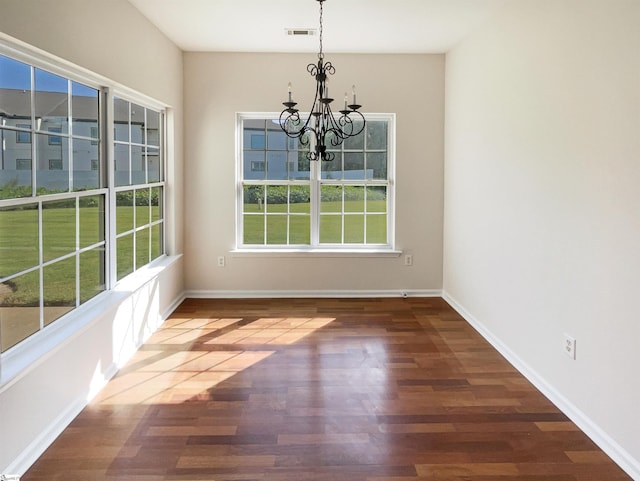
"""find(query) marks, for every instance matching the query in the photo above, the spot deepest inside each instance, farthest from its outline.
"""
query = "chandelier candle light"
(322, 130)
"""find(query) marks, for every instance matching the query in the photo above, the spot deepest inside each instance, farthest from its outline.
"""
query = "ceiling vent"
(301, 32)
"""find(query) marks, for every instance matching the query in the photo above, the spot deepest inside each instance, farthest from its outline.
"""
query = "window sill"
(270, 252)
(31, 352)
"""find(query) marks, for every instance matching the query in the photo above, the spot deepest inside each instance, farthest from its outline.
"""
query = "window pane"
(52, 175)
(377, 199)
(15, 174)
(157, 248)
(124, 255)
(121, 119)
(376, 135)
(253, 226)
(254, 165)
(138, 171)
(92, 225)
(156, 204)
(19, 309)
(332, 170)
(85, 153)
(353, 199)
(18, 238)
(121, 164)
(137, 124)
(377, 229)
(277, 165)
(92, 274)
(142, 247)
(331, 198)
(276, 138)
(84, 108)
(143, 210)
(330, 229)
(253, 134)
(253, 198)
(354, 166)
(153, 128)
(124, 211)
(15, 89)
(356, 142)
(377, 164)
(300, 229)
(277, 198)
(58, 228)
(276, 229)
(354, 229)
(153, 164)
(298, 165)
(300, 199)
(51, 101)
(59, 283)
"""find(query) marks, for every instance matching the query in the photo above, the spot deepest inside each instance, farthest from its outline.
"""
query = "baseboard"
(260, 294)
(616, 452)
(30, 455)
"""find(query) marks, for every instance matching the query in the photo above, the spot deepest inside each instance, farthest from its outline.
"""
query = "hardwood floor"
(321, 390)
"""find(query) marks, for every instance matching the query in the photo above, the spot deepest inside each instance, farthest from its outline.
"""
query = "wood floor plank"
(320, 390)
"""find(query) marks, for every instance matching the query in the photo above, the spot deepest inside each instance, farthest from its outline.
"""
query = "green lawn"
(19, 251)
(330, 223)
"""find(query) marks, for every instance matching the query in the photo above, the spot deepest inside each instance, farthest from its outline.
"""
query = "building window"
(94, 135)
(55, 139)
(55, 164)
(57, 251)
(284, 200)
(23, 137)
(23, 164)
(257, 166)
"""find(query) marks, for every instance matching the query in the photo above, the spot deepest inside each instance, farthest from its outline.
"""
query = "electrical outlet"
(221, 261)
(408, 260)
(570, 346)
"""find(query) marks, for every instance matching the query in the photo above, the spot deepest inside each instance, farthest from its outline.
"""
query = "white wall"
(219, 85)
(113, 40)
(542, 225)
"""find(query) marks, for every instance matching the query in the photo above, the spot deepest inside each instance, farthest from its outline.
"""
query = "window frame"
(34, 341)
(315, 182)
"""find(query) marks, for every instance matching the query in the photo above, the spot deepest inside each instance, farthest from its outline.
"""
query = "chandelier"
(322, 129)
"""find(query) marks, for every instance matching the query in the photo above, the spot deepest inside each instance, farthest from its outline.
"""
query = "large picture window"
(57, 201)
(287, 201)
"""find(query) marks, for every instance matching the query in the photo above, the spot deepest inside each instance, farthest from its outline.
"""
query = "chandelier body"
(322, 129)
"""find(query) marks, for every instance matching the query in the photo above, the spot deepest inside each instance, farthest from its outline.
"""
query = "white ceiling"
(354, 26)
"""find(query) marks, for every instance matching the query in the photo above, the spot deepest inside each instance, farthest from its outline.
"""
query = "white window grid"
(315, 184)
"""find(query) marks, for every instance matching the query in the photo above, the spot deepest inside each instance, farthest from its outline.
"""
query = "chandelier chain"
(321, 54)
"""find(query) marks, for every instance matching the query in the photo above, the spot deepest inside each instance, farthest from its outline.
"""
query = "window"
(139, 189)
(56, 253)
(257, 166)
(23, 164)
(55, 139)
(55, 164)
(23, 137)
(285, 200)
